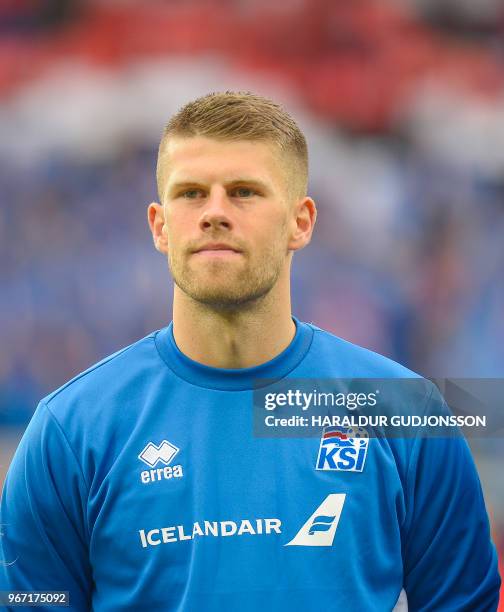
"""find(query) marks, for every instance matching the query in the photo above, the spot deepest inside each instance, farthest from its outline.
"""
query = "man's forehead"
(183, 146)
(183, 157)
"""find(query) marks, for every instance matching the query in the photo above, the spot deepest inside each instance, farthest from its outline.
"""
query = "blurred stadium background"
(402, 102)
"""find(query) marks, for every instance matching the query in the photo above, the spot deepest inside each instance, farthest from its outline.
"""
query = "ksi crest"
(343, 449)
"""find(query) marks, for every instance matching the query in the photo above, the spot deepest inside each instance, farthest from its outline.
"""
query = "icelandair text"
(178, 533)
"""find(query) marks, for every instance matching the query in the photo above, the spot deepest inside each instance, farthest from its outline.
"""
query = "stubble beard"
(228, 286)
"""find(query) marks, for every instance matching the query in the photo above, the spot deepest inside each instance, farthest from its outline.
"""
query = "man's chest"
(207, 506)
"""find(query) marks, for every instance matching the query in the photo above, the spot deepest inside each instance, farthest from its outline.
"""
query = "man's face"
(227, 221)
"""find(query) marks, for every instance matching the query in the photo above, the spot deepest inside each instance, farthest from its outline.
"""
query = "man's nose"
(216, 211)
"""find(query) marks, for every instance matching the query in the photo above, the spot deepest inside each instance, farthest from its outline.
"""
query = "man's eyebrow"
(244, 180)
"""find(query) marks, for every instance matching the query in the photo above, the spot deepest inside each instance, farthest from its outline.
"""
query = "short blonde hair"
(241, 115)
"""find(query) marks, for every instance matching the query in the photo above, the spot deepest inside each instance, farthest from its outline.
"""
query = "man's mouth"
(217, 249)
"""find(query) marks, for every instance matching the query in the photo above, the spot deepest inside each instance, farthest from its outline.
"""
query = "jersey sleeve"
(44, 538)
(450, 563)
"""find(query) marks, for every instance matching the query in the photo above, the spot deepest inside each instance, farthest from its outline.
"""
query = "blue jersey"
(139, 485)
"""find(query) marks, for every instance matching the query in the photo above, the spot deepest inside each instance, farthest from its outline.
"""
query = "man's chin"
(225, 301)
(224, 298)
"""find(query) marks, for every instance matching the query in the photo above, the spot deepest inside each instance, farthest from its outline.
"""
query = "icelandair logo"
(319, 529)
(163, 453)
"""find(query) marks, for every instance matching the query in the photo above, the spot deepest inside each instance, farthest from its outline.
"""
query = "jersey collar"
(229, 379)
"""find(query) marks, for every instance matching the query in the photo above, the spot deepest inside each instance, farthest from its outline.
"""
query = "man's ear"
(304, 218)
(156, 219)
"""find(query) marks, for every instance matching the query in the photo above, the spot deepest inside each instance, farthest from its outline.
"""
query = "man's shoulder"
(120, 371)
(346, 359)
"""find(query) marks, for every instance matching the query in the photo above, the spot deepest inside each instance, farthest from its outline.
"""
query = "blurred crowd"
(402, 103)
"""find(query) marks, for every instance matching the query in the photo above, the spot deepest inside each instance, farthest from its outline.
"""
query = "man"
(139, 485)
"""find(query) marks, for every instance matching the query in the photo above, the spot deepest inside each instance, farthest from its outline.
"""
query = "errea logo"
(152, 454)
(163, 453)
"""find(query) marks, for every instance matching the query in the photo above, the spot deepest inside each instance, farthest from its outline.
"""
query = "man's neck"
(234, 339)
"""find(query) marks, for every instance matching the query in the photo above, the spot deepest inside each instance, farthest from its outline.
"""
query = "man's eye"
(191, 194)
(244, 192)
